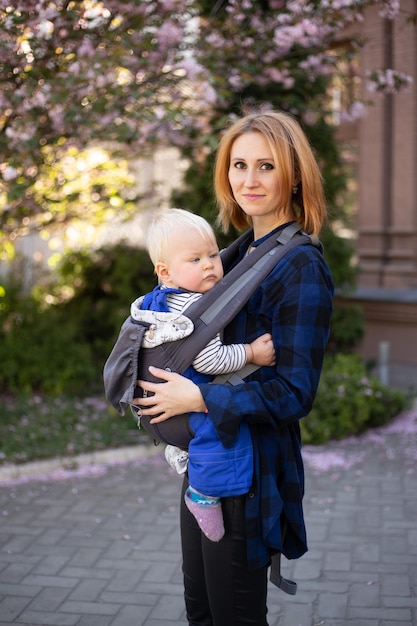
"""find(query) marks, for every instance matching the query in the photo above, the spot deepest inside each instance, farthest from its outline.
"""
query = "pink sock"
(208, 513)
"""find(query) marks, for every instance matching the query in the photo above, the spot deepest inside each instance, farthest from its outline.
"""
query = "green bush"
(40, 350)
(50, 343)
(61, 348)
(347, 328)
(349, 401)
(35, 427)
(104, 283)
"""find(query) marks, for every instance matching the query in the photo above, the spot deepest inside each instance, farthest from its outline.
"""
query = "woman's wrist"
(202, 406)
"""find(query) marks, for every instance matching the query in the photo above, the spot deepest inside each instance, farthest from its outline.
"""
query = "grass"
(34, 427)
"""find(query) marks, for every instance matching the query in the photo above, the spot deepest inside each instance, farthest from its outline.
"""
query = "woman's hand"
(174, 396)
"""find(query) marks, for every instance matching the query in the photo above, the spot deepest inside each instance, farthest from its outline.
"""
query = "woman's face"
(255, 181)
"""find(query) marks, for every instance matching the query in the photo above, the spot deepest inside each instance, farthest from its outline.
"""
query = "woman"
(265, 177)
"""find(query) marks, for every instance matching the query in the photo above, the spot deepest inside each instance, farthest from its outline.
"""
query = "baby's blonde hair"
(164, 223)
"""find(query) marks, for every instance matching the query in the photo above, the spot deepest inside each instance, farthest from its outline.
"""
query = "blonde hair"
(164, 223)
(297, 167)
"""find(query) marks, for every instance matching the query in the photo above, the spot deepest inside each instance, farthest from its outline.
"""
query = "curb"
(71, 464)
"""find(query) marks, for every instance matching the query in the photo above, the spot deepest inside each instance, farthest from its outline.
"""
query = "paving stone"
(12, 606)
(89, 608)
(298, 614)
(47, 618)
(365, 594)
(102, 548)
(168, 608)
(129, 615)
(332, 605)
(396, 586)
(49, 599)
(95, 620)
(88, 590)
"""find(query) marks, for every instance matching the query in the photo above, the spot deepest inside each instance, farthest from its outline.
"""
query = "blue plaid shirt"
(294, 304)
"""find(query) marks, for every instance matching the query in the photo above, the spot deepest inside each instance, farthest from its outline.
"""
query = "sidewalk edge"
(103, 457)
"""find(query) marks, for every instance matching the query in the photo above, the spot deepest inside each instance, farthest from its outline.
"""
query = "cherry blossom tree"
(88, 70)
(74, 73)
(248, 46)
(287, 54)
(129, 75)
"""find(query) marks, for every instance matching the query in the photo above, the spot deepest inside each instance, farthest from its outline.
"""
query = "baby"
(186, 259)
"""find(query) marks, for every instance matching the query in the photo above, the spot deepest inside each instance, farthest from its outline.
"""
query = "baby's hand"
(261, 351)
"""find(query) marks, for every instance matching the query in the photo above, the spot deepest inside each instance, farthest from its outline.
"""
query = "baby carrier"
(130, 359)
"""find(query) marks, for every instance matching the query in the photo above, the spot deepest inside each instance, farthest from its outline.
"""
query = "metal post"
(383, 362)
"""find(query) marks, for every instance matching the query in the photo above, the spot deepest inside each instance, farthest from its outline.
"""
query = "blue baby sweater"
(213, 468)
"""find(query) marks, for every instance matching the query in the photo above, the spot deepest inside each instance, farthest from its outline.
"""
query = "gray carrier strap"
(235, 378)
(216, 308)
(286, 585)
(210, 314)
(121, 368)
(254, 275)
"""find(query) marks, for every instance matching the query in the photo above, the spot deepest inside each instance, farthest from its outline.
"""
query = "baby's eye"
(195, 260)
(214, 255)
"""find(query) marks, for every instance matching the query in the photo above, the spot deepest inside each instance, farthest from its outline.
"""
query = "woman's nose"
(251, 178)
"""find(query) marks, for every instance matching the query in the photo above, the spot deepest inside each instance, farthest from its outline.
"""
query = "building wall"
(387, 216)
(387, 202)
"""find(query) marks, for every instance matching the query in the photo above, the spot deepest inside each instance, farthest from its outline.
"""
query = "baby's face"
(194, 262)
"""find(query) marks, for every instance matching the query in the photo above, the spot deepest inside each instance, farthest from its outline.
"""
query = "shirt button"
(251, 494)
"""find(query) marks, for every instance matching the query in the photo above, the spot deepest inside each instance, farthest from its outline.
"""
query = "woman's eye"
(241, 165)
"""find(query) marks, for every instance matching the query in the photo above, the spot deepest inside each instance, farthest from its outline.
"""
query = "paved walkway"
(99, 546)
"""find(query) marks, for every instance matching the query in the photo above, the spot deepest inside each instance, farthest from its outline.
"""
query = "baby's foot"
(208, 513)
(177, 458)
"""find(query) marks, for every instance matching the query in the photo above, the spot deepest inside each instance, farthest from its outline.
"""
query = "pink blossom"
(95, 16)
(236, 80)
(208, 94)
(191, 67)
(173, 5)
(9, 173)
(74, 68)
(18, 133)
(356, 111)
(56, 115)
(86, 48)
(297, 7)
(215, 40)
(158, 43)
(279, 76)
(388, 81)
(390, 9)
(169, 34)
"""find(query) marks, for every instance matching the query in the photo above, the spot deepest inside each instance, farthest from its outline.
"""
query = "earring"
(294, 189)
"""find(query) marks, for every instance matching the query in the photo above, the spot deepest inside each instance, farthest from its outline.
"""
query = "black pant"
(219, 589)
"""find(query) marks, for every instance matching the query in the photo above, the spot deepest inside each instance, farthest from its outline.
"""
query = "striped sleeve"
(216, 358)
